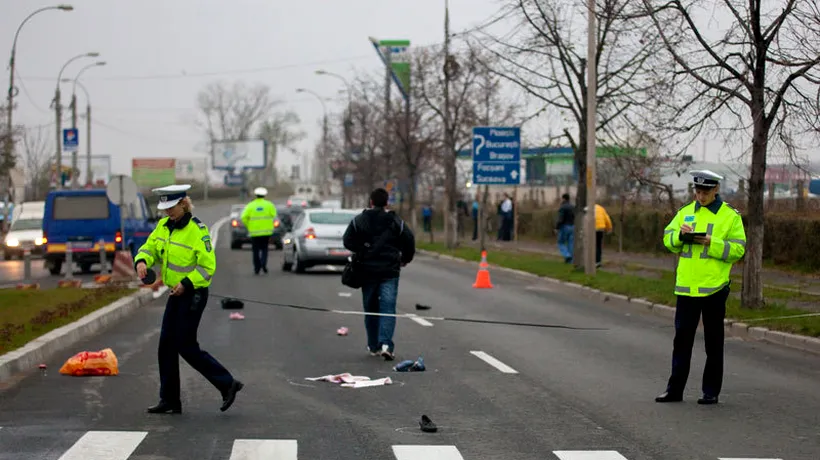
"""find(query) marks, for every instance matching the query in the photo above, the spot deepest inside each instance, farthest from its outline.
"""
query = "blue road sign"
(496, 155)
(232, 180)
(71, 140)
(349, 180)
(814, 187)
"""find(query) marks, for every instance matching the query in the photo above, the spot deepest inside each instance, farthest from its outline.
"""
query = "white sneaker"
(372, 353)
(386, 354)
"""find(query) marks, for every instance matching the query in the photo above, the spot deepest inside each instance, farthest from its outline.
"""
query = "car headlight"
(12, 242)
(38, 242)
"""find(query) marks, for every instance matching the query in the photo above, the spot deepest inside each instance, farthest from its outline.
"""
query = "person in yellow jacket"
(603, 224)
(258, 217)
(709, 238)
(181, 247)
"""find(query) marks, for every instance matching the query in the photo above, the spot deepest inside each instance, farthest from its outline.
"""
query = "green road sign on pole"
(399, 61)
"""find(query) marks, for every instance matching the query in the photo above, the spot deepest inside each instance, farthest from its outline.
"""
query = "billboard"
(192, 168)
(153, 172)
(239, 154)
(100, 168)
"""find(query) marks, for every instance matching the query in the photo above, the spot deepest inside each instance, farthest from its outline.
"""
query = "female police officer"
(181, 246)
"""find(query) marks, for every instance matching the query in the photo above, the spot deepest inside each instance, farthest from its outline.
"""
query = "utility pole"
(88, 178)
(482, 209)
(324, 164)
(388, 74)
(58, 114)
(449, 165)
(592, 95)
(74, 153)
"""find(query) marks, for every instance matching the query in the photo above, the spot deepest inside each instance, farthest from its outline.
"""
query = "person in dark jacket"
(565, 228)
(380, 266)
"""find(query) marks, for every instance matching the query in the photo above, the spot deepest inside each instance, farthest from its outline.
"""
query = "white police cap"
(705, 178)
(170, 195)
(260, 191)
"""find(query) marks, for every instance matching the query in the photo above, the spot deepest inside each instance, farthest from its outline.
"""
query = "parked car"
(239, 233)
(316, 239)
(84, 218)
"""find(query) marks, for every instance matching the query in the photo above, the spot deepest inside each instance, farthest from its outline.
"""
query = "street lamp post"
(348, 123)
(58, 112)
(88, 173)
(592, 95)
(323, 162)
(74, 183)
(8, 151)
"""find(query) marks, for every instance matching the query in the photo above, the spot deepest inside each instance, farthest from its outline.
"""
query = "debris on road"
(351, 381)
(91, 363)
(427, 425)
(342, 331)
(410, 366)
(237, 315)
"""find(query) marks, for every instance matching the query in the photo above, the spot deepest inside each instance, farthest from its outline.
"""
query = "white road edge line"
(345, 294)
(215, 229)
(588, 455)
(426, 453)
(418, 320)
(503, 368)
(105, 445)
(264, 449)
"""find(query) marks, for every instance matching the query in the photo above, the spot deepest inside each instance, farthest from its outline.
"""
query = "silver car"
(316, 239)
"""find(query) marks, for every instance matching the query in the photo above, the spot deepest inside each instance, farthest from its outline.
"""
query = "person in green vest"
(258, 217)
(709, 237)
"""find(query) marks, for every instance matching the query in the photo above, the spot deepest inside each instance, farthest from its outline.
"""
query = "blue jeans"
(566, 235)
(380, 297)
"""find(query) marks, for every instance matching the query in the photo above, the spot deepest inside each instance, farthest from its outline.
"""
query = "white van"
(26, 230)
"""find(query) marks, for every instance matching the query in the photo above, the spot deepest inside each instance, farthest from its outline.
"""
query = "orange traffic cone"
(482, 279)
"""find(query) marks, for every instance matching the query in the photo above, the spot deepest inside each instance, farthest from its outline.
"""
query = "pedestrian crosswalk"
(122, 445)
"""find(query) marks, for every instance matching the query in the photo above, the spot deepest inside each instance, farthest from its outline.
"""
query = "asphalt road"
(543, 393)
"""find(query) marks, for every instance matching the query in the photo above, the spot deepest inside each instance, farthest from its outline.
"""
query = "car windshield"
(27, 224)
(331, 218)
(79, 207)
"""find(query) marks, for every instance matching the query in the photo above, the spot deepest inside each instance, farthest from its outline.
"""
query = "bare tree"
(37, 149)
(233, 112)
(762, 72)
(546, 57)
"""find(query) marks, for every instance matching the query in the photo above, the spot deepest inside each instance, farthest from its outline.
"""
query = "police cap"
(170, 195)
(705, 178)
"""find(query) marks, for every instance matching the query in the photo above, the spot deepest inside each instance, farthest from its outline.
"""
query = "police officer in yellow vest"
(181, 247)
(258, 218)
(708, 236)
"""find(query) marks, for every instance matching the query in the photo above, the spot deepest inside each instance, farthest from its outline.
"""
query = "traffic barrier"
(482, 279)
(123, 267)
(102, 279)
(103, 258)
(69, 261)
(72, 283)
(28, 286)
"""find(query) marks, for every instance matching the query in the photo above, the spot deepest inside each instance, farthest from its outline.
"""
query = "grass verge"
(28, 314)
(657, 289)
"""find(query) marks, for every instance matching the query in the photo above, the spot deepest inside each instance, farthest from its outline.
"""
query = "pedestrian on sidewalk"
(475, 208)
(505, 211)
(565, 228)
(181, 245)
(382, 245)
(427, 217)
(709, 237)
(603, 225)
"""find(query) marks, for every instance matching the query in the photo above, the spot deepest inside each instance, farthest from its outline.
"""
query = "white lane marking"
(264, 449)
(158, 293)
(588, 455)
(215, 229)
(345, 294)
(426, 453)
(105, 445)
(418, 320)
(508, 370)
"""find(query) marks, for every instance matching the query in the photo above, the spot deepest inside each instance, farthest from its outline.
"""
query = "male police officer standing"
(709, 237)
(258, 218)
(181, 246)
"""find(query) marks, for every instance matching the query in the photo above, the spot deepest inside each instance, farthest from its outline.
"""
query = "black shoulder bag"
(351, 275)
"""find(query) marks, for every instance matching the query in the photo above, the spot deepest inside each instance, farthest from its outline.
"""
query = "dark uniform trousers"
(259, 246)
(687, 315)
(178, 337)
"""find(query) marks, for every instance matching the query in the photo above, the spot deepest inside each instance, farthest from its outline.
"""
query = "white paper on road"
(264, 449)
(351, 381)
(105, 445)
(588, 455)
(426, 453)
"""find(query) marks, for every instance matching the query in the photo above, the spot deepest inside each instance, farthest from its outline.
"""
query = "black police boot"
(706, 399)
(165, 408)
(229, 396)
(666, 397)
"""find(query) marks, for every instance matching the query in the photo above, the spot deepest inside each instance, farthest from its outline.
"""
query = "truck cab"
(90, 222)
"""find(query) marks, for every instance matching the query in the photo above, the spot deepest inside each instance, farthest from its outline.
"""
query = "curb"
(46, 346)
(732, 327)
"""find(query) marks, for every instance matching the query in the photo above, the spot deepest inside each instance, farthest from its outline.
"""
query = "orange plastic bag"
(103, 362)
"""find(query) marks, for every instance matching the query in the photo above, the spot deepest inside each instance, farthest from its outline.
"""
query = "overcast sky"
(160, 53)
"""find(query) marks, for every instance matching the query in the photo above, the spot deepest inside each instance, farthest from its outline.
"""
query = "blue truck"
(85, 218)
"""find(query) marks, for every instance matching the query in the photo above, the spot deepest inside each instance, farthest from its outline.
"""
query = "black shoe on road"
(668, 397)
(706, 399)
(229, 396)
(165, 408)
